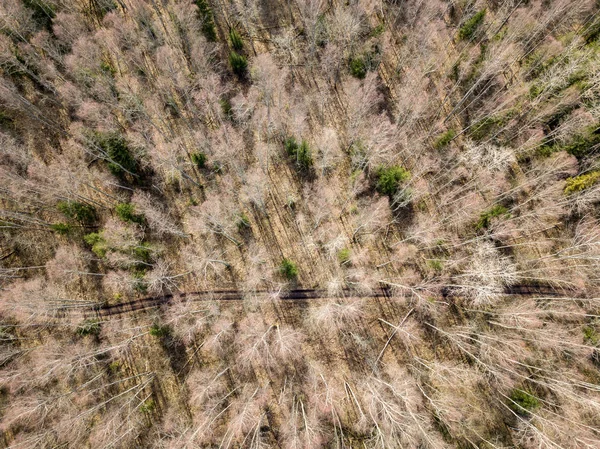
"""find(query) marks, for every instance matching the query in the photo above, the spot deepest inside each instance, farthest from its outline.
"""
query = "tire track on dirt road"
(290, 295)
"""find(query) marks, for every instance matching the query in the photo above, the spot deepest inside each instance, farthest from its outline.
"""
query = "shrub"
(89, 327)
(435, 264)
(115, 147)
(143, 253)
(114, 366)
(235, 40)
(291, 146)
(592, 32)
(582, 182)
(140, 285)
(389, 178)
(148, 406)
(226, 108)
(61, 228)
(206, 18)
(301, 153)
(288, 269)
(199, 159)
(97, 243)
(523, 402)
(358, 67)
(243, 222)
(108, 68)
(486, 217)
(580, 146)
(590, 335)
(239, 63)
(126, 212)
(467, 31)
(444, 139)
(377, 31)
(343, 256)
(304, 156)
(217, 167)
(481, 129)
(84, 213)
(535, 90)
(160, 331)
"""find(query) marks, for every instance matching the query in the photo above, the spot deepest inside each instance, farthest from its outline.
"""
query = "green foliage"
(97, 242)
(108, 68)
(486, 217)
(217, 167)
(483, 128)
(583, 144)
(582, 182)
(378, 30)
(444, 139)
(160, 331)
(304, 156)
(435, 264)
(226, 108)
(115, 148)
(84, 213)
(239, 63)
(92, 238)
(454, 73)
(61, 228)
(523, 402)
(537, 65)
(580, 146)
(535, 90)
(358, 67)
(148, 406)
(243, 222)
(592, 32)
(288, 269)
(578, 79)
(140, 284)
(291, 146)
(388, 179)
(301, 153)
(590, 335)
(126, 212)
(475, 68)
(143, 253)
(343, 256)
(467, 31)
(235, 40)
(114, 366)
(206, 18)
(89, 327)
(199, 159)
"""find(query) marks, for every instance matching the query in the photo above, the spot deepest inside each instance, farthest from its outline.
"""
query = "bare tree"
(158, 219)
(486, 275)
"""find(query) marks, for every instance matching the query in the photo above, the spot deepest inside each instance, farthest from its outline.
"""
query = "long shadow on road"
(290, 295)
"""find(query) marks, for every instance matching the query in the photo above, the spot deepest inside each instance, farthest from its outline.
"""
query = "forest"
(300, 224)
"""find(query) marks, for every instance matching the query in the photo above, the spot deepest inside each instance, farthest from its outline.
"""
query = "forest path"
(289, 295)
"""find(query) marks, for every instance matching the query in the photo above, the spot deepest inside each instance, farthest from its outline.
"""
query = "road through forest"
(289, 295)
